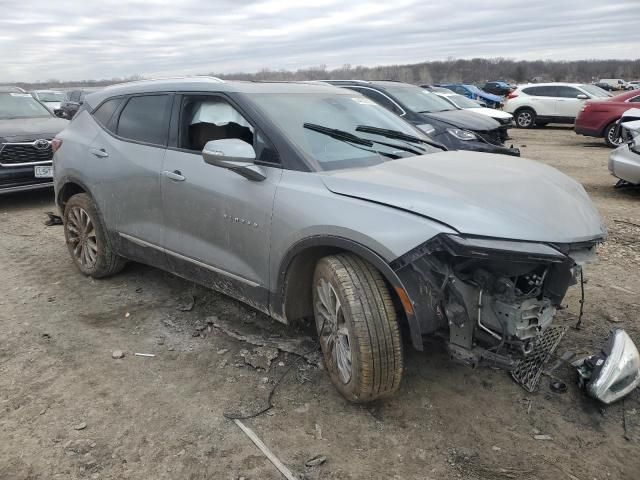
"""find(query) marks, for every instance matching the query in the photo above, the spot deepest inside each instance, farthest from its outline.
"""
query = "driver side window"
(207, 118)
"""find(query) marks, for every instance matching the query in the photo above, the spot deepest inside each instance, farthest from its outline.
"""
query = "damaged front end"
(492, 299)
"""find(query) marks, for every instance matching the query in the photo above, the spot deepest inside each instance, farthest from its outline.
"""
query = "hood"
(479, 194)
(464, 119)
(31, 128)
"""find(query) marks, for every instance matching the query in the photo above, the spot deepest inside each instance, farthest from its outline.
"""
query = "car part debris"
(558, 386)
(316, 461)
(144, 354)
(612, 373)
(528, 371)
(264, 449)
(53, 219)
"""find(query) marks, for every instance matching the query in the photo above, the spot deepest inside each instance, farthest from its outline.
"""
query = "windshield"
(462, 101)
(595, 91)
(50, 96)
(420, 100)
(20, 105)
(301, 117)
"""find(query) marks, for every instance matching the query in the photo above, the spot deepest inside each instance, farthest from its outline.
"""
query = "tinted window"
(105, 111)
(567, 92)
(144, 119)
(547, 91)
(635, 99)
(379, 98)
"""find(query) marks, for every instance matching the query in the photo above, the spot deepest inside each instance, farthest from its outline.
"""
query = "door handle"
(176, 175)
(100, 153)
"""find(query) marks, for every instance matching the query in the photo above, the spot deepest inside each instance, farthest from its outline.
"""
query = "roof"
(206, 84)
(376, 83)
(10, 89)
(551, 84)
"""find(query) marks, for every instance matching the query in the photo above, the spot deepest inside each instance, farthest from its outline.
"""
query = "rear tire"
(358, 328)
(610, 137)
(525, 118)
(87, 240)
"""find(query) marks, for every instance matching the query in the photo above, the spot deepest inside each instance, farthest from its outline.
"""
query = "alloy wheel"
(332, 329)
(525, 119)
(82, 237)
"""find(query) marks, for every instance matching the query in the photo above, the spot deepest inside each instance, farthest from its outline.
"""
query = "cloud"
(105, 39)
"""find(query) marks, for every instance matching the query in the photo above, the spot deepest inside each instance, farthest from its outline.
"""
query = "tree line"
(474, 71)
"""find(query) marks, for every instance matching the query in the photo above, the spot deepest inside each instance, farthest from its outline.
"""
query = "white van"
(616, 83)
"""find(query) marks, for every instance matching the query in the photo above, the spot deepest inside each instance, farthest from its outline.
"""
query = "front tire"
(611, 136)
(86, 238)
(358, 328)
(525, 118)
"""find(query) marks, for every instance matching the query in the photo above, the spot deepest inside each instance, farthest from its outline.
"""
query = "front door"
(218, 223)
(568, 104)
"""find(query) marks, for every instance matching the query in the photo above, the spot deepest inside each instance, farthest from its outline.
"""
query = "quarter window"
(635, 99)
(145, 119)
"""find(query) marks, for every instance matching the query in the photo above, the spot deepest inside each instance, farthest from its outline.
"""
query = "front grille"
(491, 136)
(13, 153)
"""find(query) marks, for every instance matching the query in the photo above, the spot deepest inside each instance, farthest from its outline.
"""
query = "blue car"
(474, 93)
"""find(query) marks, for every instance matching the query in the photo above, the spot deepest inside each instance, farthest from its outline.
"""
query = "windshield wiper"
(350, 138)
(396, 134)
(339, 134)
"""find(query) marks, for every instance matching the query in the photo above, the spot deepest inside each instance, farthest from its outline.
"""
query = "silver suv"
(312, 201)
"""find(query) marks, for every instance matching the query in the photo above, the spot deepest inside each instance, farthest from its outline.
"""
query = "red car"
(598, 117)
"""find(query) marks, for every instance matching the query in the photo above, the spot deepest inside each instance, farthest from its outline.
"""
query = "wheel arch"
(69, 187)
(291, 300)
(524, 107)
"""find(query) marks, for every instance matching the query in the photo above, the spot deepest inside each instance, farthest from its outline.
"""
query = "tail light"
(56, 143)
(512, 95)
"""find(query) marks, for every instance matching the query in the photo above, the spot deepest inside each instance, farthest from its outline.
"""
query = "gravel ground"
(69, 410)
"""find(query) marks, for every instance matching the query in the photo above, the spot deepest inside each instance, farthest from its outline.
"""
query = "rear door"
(129, 152)
(218, 223)
(542, 99)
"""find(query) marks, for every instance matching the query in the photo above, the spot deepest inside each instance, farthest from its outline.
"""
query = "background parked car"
(624, 161)
(537, 104)
(505, 119)
(605, 86)
(474, 93)
(614, 83)
(72, 101)
(50, 98)
(497, 88)
(454, 128)
(598, 117)
(26, 130)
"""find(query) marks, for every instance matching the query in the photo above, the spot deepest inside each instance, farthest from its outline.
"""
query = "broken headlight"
(462, 134)
(504, 249)
(614, 372)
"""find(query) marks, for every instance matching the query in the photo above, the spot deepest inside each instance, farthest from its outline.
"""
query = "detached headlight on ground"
(614, 372)
(462, 134)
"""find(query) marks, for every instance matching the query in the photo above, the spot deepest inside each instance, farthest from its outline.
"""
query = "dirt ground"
(68, 410)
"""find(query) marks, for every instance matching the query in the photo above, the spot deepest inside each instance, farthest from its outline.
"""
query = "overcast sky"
(93, 39)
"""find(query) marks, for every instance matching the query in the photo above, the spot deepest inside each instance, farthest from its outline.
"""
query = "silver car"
(311, 201)
(624, 161)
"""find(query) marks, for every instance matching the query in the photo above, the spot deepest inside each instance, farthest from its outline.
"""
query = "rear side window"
(105, 111)
(635, 99)
(548, 91)
(145, 119)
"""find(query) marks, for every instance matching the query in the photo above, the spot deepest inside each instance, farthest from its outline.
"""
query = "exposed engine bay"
(491, 299)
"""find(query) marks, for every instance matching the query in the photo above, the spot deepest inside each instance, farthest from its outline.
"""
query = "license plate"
(44, 171)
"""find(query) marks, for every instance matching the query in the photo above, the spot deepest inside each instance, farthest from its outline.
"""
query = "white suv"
(542, 103)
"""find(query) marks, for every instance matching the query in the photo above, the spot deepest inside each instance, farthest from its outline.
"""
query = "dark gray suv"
(26, 130)
(312, 201)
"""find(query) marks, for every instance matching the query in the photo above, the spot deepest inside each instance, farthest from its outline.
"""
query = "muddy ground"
(68, 410)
